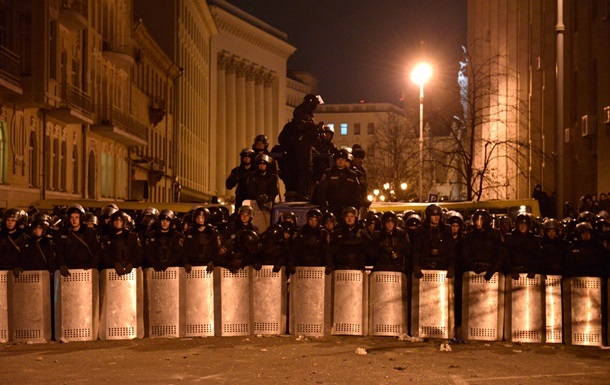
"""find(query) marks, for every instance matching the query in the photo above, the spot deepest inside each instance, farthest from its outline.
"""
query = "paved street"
(289, 360)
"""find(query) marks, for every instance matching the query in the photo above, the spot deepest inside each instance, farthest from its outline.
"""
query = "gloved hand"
(119, 268)
(17, 271)
(127, 269)
(328, 270)
(257, 265)
(277, 268)
(450, 272)
(188, 267)
(514, 275)
(64, 271)
(417, 273)
(210, 267)
(531, 274)
(261, 200)
(489, 275)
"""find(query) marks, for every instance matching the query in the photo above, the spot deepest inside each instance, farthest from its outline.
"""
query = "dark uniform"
(392, 246)
(164, 246)
(554, 250)
(586, 257)
(433, 245)
(523, 249)
(339, 188)
(39, 251)
(12, 242)
(240, 251)
(77, 247)
(201, 242)
(239, 177)
(349, 246)
(122, 249)
(307, 247)
(273, 250)
(263, 185)
(484, 251)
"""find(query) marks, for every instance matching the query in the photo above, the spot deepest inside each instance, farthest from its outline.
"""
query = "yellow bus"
(497, 207)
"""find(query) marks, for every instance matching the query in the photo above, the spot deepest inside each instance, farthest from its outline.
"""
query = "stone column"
(242, 134)
(259, 104)
(250, 104)
(231, 123)
(268, 128)
(220, 143)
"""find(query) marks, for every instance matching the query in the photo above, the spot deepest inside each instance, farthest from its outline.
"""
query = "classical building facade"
(67, 110)
(567, 121)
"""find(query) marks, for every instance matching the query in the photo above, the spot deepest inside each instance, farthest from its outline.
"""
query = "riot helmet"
(481, 219)
(586, 216)
(91, 220)
(523, 219)
(552, 224)
(119, 220)
(167, 215)
(149, 211)
(200, 212)
(108, 210)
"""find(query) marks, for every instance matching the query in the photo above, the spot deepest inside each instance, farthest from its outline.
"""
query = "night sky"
(365, 51)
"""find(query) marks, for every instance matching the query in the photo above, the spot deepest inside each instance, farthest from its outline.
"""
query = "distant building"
(526, 33)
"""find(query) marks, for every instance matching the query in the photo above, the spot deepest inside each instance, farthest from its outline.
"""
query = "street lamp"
(420, 75)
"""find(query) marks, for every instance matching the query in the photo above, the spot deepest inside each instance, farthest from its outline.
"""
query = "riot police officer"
(239, 176)
(122, 249)
(523, 248)
(39, 251)
(350, 245)
(392, 245)
(263, 185)
(339, 186)
(307, 242)
(12, 241)
(261, 147)
(164, 245)
(105, 225)
(201, 242)
(553, 248)
(433, 245)
(78, 245)
(483, 249)
(586, 256)
(240, 251)
(273, 250)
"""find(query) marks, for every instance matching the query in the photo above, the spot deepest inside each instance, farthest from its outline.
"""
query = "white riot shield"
(482, 307)
(432, 314)
(269, 301)
(30, 306)
(388, 303)
(199, 302)
(524, 309)
(310, 302)
(583, 301)
(233, 302)
(77, 305)
(122, 305)
(4, 329)
(350, 305)
(165, 307)
(553, 307)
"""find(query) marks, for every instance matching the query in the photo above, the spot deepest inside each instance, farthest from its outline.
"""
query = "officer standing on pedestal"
(339, 186)
(239, 176)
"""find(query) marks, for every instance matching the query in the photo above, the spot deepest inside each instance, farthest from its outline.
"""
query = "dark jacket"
(348, 248)
(39, 254)
(484, 251)
(433, 247)
(340, 188)
(164, 249)
(200, 247)
(11, 248)
(125, 249)
(524, 252)
(307, 247)
(393, 250)
(78, 249)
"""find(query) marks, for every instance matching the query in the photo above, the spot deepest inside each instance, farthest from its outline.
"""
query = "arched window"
(33, 157)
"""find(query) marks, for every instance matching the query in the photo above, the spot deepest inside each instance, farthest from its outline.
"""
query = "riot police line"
(387, 275)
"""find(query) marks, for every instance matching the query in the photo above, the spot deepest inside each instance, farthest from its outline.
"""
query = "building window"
(343, 128)
(53, 50)
(75, 169)
(92, 176)
(47, 162)
(64, 166)
(370, 129)
(104, 174)
(3, 153)
(356, 128)
(33, 157)
(56, 164)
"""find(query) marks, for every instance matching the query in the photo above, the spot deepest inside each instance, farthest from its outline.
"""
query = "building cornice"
(206, 16)
(149, 45)
(241, 29)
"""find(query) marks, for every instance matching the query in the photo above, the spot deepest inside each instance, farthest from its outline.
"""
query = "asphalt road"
(290, 360)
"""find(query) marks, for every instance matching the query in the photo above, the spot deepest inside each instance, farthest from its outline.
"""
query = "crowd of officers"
(443, 240)
(308, 163)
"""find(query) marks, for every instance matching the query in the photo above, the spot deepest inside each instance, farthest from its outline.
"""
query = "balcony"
(74, 106)
(120, 126)
(10, 69)
(119, 52)
(74, 14)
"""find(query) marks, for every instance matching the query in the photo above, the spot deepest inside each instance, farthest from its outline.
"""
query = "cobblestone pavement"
(290, 360)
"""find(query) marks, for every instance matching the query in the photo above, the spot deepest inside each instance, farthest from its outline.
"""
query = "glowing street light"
(386, 186)
(403, 186)
(420, 75)
(376, 192)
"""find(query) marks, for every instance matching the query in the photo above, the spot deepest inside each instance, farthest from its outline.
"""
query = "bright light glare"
(421, 73)
(403, 186)
(370, 198)
(376, 192)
